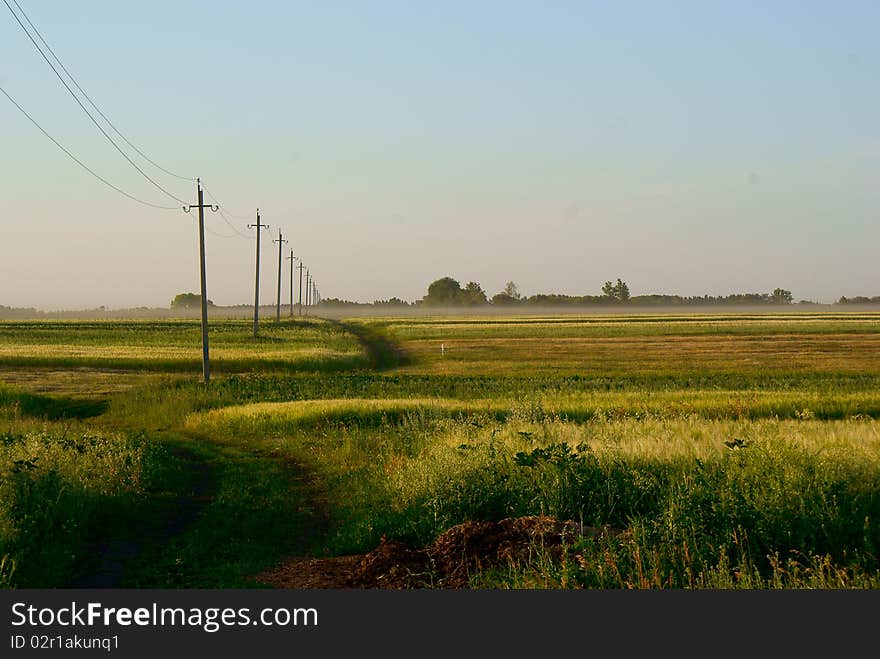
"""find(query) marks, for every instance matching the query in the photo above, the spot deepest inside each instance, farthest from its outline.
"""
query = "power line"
(80, 162)
(226, 217)
(231, 225)
(219, 235)
(85, 109)
(237, 217)
(91, 102)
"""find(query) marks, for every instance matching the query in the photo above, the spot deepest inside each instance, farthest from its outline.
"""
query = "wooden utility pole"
(257, 226)
(300, 287)
(308, 288)
(292, 259)
(280, 242)
(206, 364)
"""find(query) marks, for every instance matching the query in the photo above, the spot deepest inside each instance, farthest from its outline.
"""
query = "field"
(626, 451)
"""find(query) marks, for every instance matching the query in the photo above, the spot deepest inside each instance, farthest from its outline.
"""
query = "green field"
(724, 451)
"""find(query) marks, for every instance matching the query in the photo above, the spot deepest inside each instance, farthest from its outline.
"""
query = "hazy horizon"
(688, 148)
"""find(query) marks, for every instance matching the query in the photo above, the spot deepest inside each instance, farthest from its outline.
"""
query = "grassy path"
(109, 563)
(225, 512)
(236, 508)
(382, 352)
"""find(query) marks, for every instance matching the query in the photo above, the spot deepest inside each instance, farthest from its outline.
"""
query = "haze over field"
(690, 148)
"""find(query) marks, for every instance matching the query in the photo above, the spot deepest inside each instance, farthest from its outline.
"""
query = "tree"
(618, 292)
(504, 298)
(392, 302)
(473, 295)
(188, 301)
(781, 296)
(445, 291)
(510, 295)
(511, 290)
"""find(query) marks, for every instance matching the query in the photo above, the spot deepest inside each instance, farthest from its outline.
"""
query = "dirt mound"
(393, 565)
(473, 546)
(446, 563)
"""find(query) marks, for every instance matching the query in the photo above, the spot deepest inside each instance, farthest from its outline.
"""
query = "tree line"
(449, 292)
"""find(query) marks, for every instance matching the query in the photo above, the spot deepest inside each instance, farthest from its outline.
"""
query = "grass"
(258, 511)
(174, 346)
(695, 488)
(620, 346)
(60, 485)
(736, 451)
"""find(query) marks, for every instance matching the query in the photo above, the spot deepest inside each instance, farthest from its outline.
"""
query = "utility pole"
(280, 242)
(206, 364)
(292, 259)
(257, 226)
(300, 287)
(308, 283)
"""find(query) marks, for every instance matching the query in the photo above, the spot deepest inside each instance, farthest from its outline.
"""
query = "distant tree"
(619, 292)
(557, 300)
(859, 299)
(337, 302)
(473, 295)
(781, 296)
(511, 290)
(391, 302)
(188, 301)
(443, 292)
(504, 299)
(510, 295)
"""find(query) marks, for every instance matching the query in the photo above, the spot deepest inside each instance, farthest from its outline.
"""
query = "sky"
(685, 147)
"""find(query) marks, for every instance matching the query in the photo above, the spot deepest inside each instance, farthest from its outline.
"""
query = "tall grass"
(61, 486)
(700, 498)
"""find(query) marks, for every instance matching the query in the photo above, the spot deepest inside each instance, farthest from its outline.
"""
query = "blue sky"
(689, 147)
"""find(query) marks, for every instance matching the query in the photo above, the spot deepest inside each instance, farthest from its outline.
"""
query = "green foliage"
(781, 296)
(443, 292)
(188, 301)
(447, 292)
(618, 292)
(859, 299)
(510, 295)
(473, 295)
(61, 489)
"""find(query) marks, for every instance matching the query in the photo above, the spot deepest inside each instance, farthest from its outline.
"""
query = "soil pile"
(445, 563)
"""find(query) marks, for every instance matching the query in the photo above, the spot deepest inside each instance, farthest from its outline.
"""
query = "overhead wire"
(91, 102)
(233, 215)
(80, 162)
(227, 217)
(219, 235)
(85, 109)
(232, 226)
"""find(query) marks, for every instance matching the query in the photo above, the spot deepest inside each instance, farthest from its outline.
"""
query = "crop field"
(674, 451)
